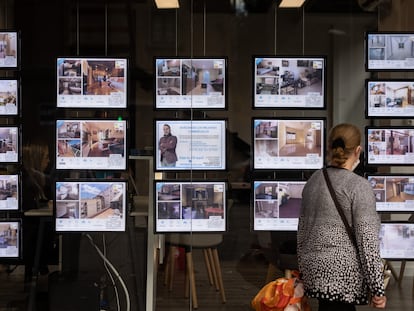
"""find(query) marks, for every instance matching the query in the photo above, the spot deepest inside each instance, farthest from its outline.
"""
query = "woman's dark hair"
(342, 141)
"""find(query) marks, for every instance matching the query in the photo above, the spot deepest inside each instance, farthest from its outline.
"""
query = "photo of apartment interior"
(399, 142)
(168, 210)
(378, 186)
(376, 148)
(399, 47)
(101, 139)
(102, 77)
(67, 191)
(266, 142)
(8, 140)
(67, 209)
(399, 189)
(99, 201)
(8, 45)
(278, 200)
(376, 94)
(8, 187)
(400, 94)
(169, 68)
(68, 148)
(70, 86)
(298, 139)
(169, 86)
(200, 201)
(202, 77)
(169, 192)
(376, 47)
(8, 235)
(68, 134)
(69, 72)
(8, 96)
(293, 77)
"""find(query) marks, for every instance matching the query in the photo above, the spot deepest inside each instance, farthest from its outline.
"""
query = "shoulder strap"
(338, 207)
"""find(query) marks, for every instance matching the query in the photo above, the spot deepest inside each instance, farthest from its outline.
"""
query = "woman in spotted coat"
(334, 272)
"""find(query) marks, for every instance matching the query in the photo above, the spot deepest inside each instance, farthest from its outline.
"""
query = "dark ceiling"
(261, 6)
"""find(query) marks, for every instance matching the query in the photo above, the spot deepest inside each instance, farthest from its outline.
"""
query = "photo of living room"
(266, 138)
(8, 95)
(203, 77)
(399, 95)
(168, 192)
(289, 77)
(298, 139)
(201, 201)
(102, 139)
(102, 77)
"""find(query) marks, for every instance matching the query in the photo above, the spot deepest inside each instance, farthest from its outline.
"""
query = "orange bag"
(282, 294)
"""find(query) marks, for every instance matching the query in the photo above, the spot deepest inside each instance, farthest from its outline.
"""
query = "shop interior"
(138, 269)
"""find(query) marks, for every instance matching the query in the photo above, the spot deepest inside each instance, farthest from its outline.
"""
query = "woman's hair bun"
(338, 142)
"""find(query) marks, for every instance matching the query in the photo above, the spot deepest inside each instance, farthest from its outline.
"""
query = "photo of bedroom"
(203, 76)
(399, 95)
(278, 200)
(169, 86)
(299, 139)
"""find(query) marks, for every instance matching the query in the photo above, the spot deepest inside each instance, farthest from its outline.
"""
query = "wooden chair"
(208, 244)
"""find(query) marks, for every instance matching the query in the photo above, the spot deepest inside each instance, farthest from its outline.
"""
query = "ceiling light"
(167, 4)
(291, 3)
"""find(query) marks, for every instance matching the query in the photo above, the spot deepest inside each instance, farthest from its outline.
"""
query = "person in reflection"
(36, 194)
(167, 145)
(337, 273)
